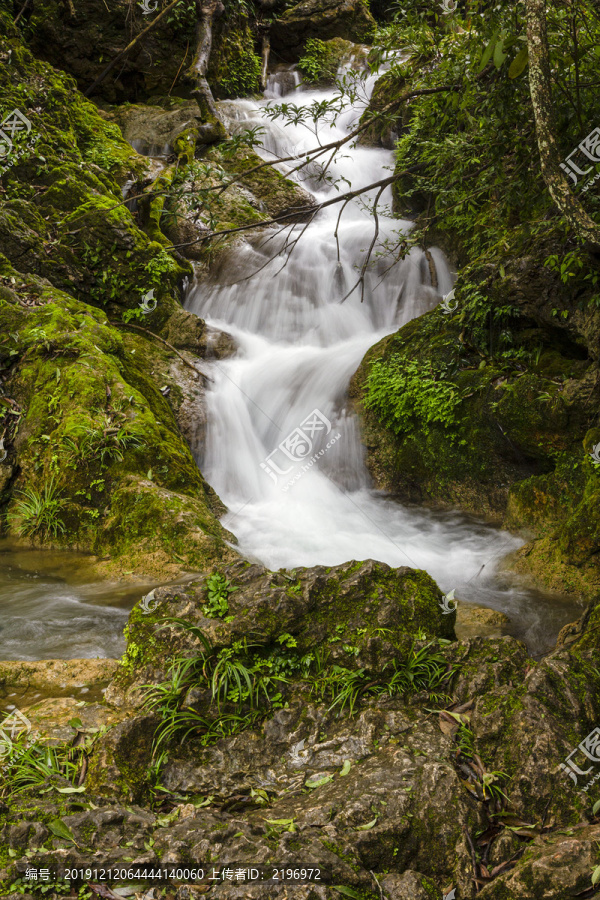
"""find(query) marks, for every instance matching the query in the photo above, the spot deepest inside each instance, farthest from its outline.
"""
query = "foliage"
(405, 394)
(37, 513)
(318, 61)
(218, 590)
(220, 692)
(104, 442)
(35, 766)
(474, 143)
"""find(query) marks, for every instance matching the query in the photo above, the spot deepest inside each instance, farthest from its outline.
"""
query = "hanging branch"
(129, 47)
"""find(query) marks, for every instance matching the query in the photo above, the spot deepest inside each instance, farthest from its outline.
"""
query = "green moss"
(234, 69)
(97, 424)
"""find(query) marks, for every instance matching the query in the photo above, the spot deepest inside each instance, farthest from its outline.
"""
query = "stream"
(282, 450)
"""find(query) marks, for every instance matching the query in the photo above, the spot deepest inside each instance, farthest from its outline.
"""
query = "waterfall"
(282, 449)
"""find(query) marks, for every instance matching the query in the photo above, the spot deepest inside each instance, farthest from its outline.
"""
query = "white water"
(298, 348)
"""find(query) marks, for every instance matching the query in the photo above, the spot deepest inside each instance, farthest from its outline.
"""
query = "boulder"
(364, 614)
(323, 19)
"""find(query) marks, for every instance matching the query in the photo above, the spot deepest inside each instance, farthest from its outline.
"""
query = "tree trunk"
(540, 87)
(201, 92)
(266, 50)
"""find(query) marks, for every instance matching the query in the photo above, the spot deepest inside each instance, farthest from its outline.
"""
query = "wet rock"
(408, 886)
(52, 675)
(58, 720)
(557, 866)
(323, 19)
(363, 612)
(479, 620)
(153, 130)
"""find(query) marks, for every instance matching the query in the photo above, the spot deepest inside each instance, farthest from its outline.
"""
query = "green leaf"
(499, 51)
(519, 63)
(596, 807)
(319, 782)
(59, 828)
(346, 891)
(76, 723)
(71, 790)
(487, 53)
(346, 767)
(368, 826)
(596, 875)
(280, 821)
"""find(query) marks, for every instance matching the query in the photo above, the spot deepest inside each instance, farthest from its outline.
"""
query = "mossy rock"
(516, 443)
(235, 67)
(363, 614)
(96, 427)
(322, 19)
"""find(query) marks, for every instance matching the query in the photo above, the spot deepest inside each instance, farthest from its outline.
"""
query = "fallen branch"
(166, 343)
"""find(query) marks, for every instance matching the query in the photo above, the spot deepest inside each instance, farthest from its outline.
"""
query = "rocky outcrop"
(440, 772)
(323, 19)
(371, 607)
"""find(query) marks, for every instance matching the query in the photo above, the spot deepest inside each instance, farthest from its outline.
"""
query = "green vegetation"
(222, 691)
(37, 514)
(405, 394)
(218, 590)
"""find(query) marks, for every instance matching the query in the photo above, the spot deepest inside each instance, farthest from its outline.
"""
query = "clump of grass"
(37, 513)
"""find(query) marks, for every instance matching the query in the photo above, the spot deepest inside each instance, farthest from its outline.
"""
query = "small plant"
(405, 395)
(36, 766)
(37, 513)
(104, 443)
(314, 64)
(218, 589)
(491, 788)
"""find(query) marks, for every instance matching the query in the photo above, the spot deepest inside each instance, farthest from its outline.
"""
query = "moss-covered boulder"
(491, 409)
(98, 459)
(363, 614)
(323, 19)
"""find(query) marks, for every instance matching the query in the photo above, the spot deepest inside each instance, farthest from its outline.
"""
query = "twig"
(473, 856)
(187, 47)
(166, 343)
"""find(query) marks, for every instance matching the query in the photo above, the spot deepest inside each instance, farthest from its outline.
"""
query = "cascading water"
(281, 449)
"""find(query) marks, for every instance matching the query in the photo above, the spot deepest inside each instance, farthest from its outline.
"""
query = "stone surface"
(323, 19)
(479, 620)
